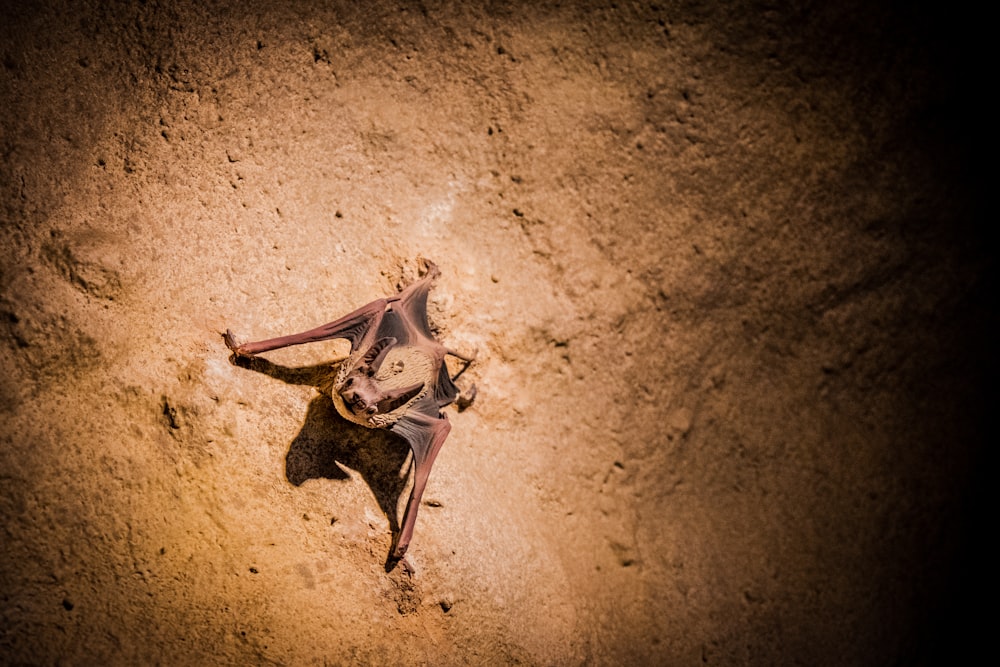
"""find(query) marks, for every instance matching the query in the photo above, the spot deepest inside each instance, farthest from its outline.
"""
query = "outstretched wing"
(358, 327)
(410, 305)
(425, 436)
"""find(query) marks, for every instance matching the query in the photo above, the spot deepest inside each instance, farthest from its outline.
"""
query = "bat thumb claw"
(230, 340)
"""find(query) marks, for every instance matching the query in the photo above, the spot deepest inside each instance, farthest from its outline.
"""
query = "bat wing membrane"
(356, 327)
(425, 435)
(445, 391)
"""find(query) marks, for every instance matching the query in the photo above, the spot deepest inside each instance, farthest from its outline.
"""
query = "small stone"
(680, 420)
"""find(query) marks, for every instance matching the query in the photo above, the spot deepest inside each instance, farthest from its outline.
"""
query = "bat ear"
(396, 397)
(376, 355)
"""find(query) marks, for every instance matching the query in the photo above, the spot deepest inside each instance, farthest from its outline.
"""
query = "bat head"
(364, 395)
(361, 392)
(365, 392)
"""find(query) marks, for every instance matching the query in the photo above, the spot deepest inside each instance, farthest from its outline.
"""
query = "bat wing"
(445, 391)
(395, 325)
(403, 317)
(399, 327)
(357, 327)
(411, 304)
(425, 435)
(405, 320)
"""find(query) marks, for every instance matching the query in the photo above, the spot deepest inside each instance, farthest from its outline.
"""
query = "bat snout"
(359, 402)
(363, 407)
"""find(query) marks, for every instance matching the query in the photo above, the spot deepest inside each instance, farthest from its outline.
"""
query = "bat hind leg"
(468, 359)
(467, 396)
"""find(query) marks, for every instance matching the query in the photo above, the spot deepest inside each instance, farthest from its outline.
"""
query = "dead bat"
(395, 377)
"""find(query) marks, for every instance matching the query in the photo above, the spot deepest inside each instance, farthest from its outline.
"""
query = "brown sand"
(723, 268)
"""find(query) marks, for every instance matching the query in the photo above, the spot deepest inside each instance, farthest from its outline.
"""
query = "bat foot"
(466, 398)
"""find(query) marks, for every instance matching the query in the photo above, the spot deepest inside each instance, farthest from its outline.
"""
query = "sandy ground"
(724, 269)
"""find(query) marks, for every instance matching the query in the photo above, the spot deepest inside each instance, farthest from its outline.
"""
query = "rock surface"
(724, 268)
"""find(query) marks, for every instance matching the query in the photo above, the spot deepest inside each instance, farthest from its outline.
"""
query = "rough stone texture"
(724, 266)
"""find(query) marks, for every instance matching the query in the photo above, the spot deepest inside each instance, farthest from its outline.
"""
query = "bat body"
(395, 377)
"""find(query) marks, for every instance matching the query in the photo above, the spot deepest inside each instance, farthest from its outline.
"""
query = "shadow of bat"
(327, 443)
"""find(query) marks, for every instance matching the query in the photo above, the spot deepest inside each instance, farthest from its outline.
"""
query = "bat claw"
(230, 340)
